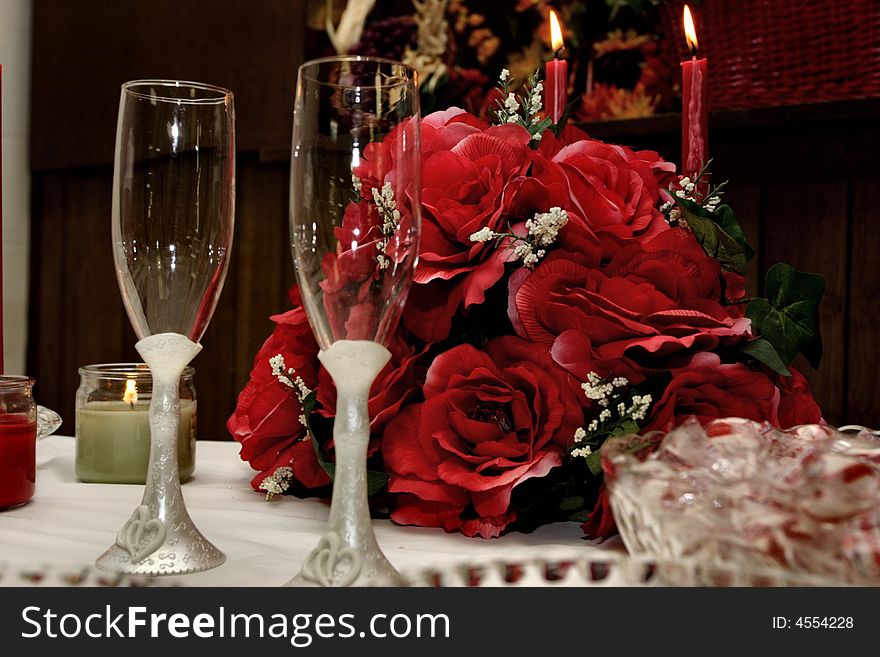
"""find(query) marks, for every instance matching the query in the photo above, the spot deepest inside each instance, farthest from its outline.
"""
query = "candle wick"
(693, 50)
(559, 53)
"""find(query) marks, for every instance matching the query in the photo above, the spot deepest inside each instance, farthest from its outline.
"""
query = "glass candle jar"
(113, 423)
(18, 438)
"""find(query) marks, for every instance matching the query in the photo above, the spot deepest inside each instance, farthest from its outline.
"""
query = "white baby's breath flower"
(511, 104)
(288, 377)
(545, 226)
(277, 482)
(505, 75)
(639, 408)
(597, 389)
(582, 452)
(579, 434)
(387, 206)
(483, 235)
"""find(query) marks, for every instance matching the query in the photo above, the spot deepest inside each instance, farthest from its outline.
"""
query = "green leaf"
(559, 126)
(375, 480)
(580, 516)
(764, 352)
(536, 129)
(789, 317)
(594, 462)
(625, 428)
(572, 503)
(713, 237)
(726, 220)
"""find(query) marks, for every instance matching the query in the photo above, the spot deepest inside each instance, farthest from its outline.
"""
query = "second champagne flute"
(355, 222)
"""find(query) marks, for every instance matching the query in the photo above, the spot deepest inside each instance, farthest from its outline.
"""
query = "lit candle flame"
(555, 33)
(690, 32)
(130, 395)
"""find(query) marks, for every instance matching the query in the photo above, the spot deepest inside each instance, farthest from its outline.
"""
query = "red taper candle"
(556, 82)
(694, 108)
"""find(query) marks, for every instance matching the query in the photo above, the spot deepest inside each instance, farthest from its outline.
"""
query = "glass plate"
(78, 575)
(612, 570)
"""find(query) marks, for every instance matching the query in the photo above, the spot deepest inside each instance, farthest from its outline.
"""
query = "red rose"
(650, 307)
(266, 418)
(796, 402)
(462, 193)
(614, 188)
(490, 421)
(440, 131)
(600, 523)
(707, 390)
(550, 144)
(443, 130)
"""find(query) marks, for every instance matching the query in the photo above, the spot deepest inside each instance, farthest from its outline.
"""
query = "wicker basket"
(783, 52)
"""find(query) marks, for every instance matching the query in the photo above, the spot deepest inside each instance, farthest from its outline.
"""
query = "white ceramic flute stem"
(160, 538)
(348, 554)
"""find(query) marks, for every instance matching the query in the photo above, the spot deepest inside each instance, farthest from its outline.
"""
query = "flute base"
(160, 538)
(146, 546)
(335, 564)
(348, 554)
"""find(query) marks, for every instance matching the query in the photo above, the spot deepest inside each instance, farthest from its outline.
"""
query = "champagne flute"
(355, 223)
(173, 206)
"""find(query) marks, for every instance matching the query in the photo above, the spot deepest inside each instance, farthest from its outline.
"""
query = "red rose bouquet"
(567, 291)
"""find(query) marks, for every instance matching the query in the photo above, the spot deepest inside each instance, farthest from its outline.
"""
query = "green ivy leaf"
(571, 503)
(536, 129)
(764, 352)
(726, 220)
(580, 516)
(375, 480)
(789, 317)
(594, 462)
(559, 126)
(714, 235)
(625, 428)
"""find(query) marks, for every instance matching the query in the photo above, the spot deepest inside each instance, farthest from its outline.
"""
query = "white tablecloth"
(71, 523)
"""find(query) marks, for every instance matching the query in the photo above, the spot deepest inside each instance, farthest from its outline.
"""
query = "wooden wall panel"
(745, 200)
(264, 252)
(86, 322)
(863, 358)
(84, 50)
(77, 315)
(805, 225)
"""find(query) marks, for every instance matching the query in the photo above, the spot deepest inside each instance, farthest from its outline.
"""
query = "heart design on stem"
(136, 530)
(330, 558)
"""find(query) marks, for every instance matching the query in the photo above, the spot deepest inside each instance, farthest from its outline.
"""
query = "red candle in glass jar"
(556, 82)
(18, 460)
(694, 108)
